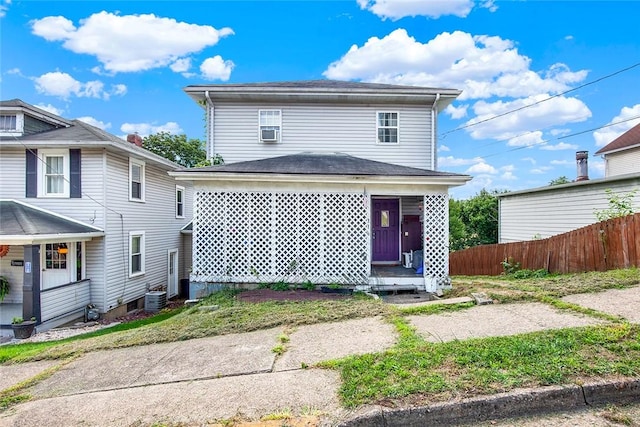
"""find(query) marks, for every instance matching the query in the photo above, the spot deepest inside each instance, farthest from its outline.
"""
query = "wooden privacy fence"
(602, 246)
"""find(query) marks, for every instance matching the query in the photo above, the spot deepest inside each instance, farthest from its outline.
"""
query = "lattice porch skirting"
(258, 237)
(254, 237)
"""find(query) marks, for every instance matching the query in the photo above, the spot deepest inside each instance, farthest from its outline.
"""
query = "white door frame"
(172, 288)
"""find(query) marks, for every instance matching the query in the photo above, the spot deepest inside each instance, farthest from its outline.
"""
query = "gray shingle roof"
(21, 219)
(321, 164)
(78, 131)
(630, 138)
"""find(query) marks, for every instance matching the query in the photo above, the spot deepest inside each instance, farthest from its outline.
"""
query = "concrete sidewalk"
(197, 381)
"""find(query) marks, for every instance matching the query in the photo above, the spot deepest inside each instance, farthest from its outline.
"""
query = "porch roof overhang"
(24, 224)
(337, 168)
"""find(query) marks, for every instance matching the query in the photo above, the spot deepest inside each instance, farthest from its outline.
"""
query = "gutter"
(434, 112)
(209, 112)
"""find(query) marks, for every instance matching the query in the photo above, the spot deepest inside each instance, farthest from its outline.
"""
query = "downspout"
(209, 112)
(434, 112)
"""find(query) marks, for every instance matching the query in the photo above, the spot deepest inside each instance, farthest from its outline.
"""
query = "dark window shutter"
(75, 191)
(31, 183)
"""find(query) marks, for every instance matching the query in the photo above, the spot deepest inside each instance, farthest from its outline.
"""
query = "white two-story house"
(85, 218)
(323, 182)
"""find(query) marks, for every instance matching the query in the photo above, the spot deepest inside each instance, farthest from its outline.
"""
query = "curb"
(511, 404)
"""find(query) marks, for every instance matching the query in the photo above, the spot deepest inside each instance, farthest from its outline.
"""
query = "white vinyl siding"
(53, 173)
(156, 218)
(550, 212)
(136, 180)
(350, 129)
(623, 162)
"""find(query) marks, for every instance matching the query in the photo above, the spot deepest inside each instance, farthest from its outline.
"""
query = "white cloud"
(559, 132)
(64, 86)
(51, 109)
(145, 129)
(526, 140)
(95, 122)
(556, 111)
(129, 43)
(508, 176)
(456, 112)
(541, 170)
(396, 9)
(450, 161)
(216, 68)
(181, 65)
(559, 146)
(482, 66)
(482, 168)
(596, 168)
(529, 159)
(118, 89)
(4, 6)
(14, 71)
(443, 148)
(608, 134)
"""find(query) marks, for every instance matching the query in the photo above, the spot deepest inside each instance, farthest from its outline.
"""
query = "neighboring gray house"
(547, 211)
(323, 179)
(87, 218)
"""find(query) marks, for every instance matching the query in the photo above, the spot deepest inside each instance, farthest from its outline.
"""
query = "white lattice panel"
(436, 237)
(268, 237)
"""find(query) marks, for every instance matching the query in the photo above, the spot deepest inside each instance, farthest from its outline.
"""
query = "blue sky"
(122, 66)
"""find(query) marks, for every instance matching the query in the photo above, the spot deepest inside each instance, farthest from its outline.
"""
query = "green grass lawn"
(413, 370)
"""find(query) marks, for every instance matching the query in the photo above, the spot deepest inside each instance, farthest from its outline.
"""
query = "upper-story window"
(136, 180)
(270, 125)
(54, 173)
(8, 123)
(387, 127)
(179, 201)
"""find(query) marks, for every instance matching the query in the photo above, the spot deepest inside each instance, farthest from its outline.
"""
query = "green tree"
(560, 180)
(177, 148)
(478, 217)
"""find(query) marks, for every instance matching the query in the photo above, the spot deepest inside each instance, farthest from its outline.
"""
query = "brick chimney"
(582, 165)
(134, 138)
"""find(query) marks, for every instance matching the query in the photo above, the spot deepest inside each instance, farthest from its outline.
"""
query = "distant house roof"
(21, 223)
(629, 139)
(560, 187)
(323, 91)
(317, 164)
(76, 133)
(20, 105)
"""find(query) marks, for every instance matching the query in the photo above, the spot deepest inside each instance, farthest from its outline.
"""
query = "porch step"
(394, 288)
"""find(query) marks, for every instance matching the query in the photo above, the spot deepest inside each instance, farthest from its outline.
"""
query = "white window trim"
(387, 127)
(42, 170)
(141, 164)
(278, 126)
(140, 234)
(180, 188)
(19, 124)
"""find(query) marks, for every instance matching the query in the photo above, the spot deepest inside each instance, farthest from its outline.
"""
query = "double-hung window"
(270, 125)
(387, 126)
(136, 253)
(136, 180)
(179, 201)
(54, 173)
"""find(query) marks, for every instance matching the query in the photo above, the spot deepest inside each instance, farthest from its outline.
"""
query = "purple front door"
(386, 230)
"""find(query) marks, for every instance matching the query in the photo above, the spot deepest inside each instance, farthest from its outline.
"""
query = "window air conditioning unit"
(268, 135)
